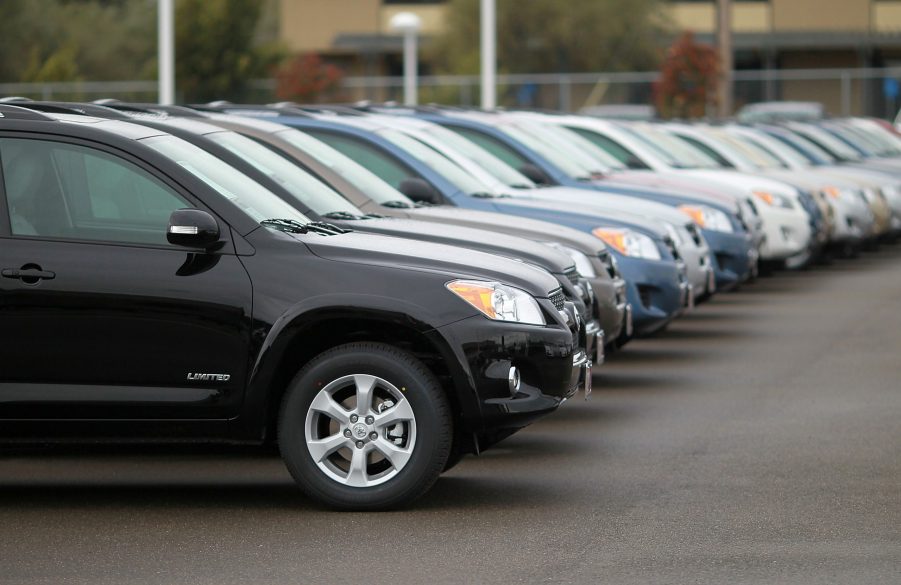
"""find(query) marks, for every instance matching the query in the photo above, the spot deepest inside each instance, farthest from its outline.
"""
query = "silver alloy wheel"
(360, 430)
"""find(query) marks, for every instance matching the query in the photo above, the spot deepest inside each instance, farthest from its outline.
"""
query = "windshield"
(776, 148)
(256, 200)
(607, 160)
(681, 154)
(306, 188)
(805, 147)
(757, 155)
(437, 162)
(501, 170)
(859, 141)
(569, 143)
(827, 142)
(354, 173)
(567, 165)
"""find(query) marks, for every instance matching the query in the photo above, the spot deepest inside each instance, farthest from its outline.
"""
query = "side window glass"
(387, 169)
(609, 146)
(708, 151)
(60, 190)
(494, 146)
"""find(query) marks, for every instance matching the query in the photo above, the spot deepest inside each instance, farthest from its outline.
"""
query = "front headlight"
(708, 217)
(583, 264)
(498, 301)
(774, 199)
(628, 242)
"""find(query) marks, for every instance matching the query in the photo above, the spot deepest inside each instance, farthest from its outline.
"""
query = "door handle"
(28, 275)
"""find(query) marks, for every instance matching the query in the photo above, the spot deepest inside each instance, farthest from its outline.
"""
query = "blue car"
(656, 283)
(734, 252)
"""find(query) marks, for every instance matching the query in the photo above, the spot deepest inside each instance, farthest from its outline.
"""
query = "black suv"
(150, 291)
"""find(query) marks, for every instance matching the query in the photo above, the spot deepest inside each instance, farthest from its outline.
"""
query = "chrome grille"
(557, 298)
(572, 275)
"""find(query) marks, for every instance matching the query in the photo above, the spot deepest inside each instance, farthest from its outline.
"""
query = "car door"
(100, 317)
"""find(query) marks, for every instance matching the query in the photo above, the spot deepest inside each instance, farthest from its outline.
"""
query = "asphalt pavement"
(757, 440)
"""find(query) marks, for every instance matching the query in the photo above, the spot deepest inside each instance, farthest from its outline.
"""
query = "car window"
(609, 146)
(60, 190)
(306, 188)
(390, 171)
(723, 161)
(492, 145)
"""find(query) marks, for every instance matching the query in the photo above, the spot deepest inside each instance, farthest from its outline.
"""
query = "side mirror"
(534, 174)
(193, 228)
(420, 191)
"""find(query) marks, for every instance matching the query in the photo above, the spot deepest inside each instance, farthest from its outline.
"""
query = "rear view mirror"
(193, 228)
(534, 174)
(420, 191)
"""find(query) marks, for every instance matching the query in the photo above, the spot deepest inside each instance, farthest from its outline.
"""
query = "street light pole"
(489, 54)
(166, 52)
(724, 48)
(409, 24)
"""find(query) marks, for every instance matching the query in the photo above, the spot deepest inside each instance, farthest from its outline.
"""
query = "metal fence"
(864, 91)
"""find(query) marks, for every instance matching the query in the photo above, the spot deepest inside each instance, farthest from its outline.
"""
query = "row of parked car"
(381, 290)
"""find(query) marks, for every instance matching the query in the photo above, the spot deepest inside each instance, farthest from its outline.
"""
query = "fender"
(268, 378)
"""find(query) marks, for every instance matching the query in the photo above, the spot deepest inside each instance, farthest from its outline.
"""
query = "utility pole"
(489, 54)
(165, 47)
(724, 50)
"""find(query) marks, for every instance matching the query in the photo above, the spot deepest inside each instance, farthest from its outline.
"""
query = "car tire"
(380, 454)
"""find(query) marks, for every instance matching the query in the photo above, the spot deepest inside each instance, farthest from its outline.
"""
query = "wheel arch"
(308, 335)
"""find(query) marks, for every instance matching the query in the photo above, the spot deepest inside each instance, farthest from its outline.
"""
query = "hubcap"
(360, 430)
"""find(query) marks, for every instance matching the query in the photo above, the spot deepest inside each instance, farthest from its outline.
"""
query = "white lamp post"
(166, 52)
(489, 54)
(408, 24)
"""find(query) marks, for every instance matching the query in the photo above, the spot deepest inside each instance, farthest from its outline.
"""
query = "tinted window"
(62, 190)
(609, 146)
(707, 150)
(383, 165)
(493, 145)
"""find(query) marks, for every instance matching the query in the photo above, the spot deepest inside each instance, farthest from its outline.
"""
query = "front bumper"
(734, 257)
(788, 233)
(485, 350)
(656, 291)
(610, 296)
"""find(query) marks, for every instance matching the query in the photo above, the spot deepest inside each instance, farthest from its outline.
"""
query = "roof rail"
(172, 110)
(223, 107)
(74, 108)
(11, 112)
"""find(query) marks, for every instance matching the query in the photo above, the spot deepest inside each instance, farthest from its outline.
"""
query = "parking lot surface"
(755, 441)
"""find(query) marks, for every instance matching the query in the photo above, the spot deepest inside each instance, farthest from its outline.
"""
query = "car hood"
(602, 201)
(533, 229)
(467, 237)
(747, 182)
(375, 249)
(700, 188)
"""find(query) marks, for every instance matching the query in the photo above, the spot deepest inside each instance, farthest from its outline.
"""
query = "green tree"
(64, 40)
(217, 51)
(542, 36)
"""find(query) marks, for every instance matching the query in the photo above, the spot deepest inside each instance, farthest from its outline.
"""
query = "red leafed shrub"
(687, 79)
(306, 78)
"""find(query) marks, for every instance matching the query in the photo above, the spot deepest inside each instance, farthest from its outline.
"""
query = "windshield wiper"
(325, 228)
(398, 204)
(487, 195)
(340, 215)
(291, 226)
(373, 216)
